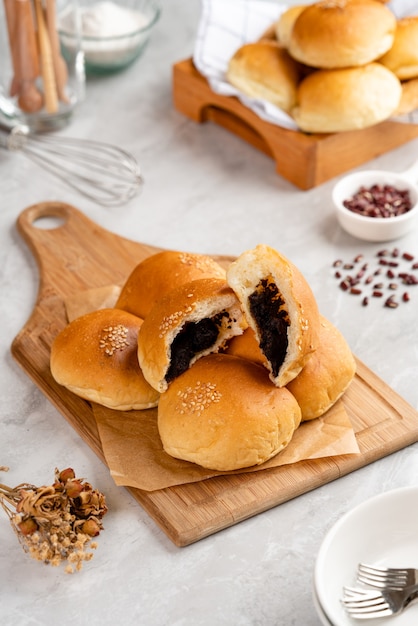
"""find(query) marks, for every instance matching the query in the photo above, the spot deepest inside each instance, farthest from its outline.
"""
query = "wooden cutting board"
(80, 255)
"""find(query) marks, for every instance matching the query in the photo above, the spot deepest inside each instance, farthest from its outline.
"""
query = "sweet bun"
(246, 346)
(331, 101)
(280, 308)
(402, 58)
(409, 97)
(327, 374)
(342, 33)
(284, 25)
(189, 322)
(265, 70)
(95, 357)
(161, 272)
(224, 414)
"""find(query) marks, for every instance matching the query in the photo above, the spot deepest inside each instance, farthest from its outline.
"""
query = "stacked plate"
(382, 532)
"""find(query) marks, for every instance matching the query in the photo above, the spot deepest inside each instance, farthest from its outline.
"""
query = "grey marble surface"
(207, 191)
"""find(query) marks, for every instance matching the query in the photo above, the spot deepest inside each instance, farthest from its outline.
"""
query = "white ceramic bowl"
(380, 532)
(104, 53)
(374, 228)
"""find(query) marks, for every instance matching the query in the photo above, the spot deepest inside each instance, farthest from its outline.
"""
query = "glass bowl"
(113, 35)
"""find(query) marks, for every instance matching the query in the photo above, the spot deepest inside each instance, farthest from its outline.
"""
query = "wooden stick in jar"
(47, 67)
(30, 99)
(60, 67)
(9, 9)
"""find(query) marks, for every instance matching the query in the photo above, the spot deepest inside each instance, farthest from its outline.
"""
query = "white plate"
(382, 531)
(320, 611)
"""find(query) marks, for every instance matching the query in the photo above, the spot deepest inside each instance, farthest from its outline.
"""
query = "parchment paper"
(135, 456)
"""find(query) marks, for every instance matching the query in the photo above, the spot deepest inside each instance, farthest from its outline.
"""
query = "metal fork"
(387, 577)
(370, 604)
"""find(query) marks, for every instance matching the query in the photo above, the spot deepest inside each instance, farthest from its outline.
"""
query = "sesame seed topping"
(200, 262)
(198, 398)
(169, 321)
(113, 338)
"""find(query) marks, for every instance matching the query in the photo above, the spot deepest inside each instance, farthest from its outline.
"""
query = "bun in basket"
(284, 24)
(402, 58)
(280, 308)
(327, 374)
(265, 70)
(331, 101)
(342, 33)
(161, 272)
(191, 321)
(95, 357)
(224, 414)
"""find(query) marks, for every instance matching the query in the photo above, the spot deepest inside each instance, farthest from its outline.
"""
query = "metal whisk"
(99, 171)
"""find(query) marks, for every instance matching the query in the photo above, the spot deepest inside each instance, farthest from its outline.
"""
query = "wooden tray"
(80, 255)
(305, 160)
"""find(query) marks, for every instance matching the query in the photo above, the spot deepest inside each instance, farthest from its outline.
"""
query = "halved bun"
(225, 414)
(331, 101)
(265, 70)
(159, 274)
(402, 58)
(279, 306)
(189, 322)
(95, 357)
(327, 374)
(342, 33)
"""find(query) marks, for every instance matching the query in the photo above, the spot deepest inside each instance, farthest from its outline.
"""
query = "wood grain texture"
(306, 160)
(80, 255)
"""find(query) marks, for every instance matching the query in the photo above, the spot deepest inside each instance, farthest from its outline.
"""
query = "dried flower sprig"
(56, 523)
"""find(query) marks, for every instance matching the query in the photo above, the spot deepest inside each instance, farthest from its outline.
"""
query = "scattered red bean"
(389, 279)
(379, 201)
(391, 303)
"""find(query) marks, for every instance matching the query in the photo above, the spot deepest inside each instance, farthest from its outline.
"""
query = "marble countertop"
(207, 191)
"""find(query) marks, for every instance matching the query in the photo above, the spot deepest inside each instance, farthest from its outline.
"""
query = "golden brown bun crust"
(95, 357)
(284, 24)
(291, 334)
(246, 346)
(409, 98)
(190, 303)
(225, 414)
(160, 273)
(342, 33)
(327, 374)
(265, 70)
(331, 101)
(402, 58)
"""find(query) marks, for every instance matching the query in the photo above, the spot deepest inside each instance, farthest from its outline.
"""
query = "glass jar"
(39, 87)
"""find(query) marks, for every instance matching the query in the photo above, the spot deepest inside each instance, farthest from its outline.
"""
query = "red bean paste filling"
(267, 309)
(194, 337)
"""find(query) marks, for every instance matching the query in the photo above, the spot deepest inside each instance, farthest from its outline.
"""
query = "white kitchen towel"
(226, 25)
